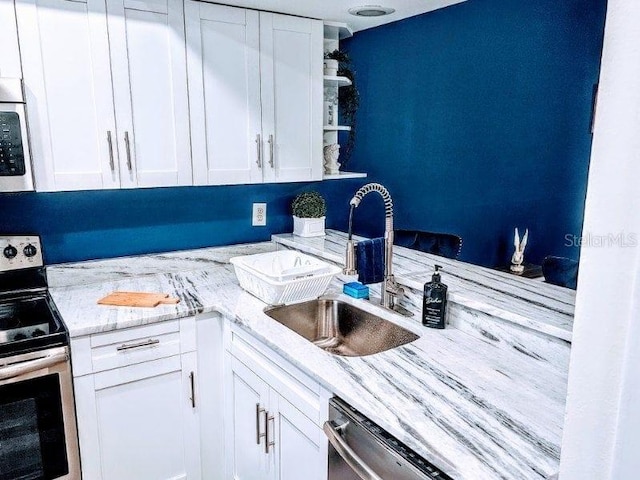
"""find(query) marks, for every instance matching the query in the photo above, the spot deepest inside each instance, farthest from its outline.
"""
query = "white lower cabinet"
(273, 416)
(246, 409)
(195, 398)
(301, 444)
(138, 419)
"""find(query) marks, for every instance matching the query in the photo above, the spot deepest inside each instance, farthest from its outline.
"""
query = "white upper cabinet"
(224, 88)
(150, 91)
(255, 88)
(291, 87)
(116, 99)
(67, 78)
(106, 93)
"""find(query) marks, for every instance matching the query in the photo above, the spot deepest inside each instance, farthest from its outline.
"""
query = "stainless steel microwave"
(15, 159)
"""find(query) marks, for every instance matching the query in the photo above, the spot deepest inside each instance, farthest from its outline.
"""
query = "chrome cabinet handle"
(7, 373)
(146, 343)
(268, 418)
(127, 145)
(193, 389)
(259, 147)
(259, 435)
(361, 469)
(110, 144)
(271, 159)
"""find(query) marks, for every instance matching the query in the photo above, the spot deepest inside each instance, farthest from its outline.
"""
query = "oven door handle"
(361, 469)
(7, 373)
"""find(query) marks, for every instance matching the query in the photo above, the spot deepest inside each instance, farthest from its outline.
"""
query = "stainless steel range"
(38, 436)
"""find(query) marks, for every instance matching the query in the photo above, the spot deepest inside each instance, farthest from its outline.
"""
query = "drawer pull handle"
(147, 343)
(259, 146)
(268, 418)
(110, 145)
(127, 144)
(259, 435)
(192, 381)
(271, 157)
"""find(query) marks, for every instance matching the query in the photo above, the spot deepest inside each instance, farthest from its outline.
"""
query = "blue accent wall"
(101, 224)
(477, 119)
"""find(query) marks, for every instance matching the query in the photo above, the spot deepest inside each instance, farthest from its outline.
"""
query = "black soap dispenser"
(434, 302)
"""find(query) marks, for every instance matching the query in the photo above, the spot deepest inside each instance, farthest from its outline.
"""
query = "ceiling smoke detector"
(371, 11)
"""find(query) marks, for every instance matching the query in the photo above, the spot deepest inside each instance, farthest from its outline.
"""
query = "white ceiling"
(337, 10)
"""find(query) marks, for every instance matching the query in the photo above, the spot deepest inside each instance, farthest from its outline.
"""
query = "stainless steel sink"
(341, 328)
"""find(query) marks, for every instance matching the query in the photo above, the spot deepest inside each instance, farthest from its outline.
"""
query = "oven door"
(38, 438)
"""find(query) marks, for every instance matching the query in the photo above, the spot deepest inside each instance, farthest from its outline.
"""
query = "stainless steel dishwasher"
(361, 450)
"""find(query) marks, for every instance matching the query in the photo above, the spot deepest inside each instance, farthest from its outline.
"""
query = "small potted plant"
(309, 210)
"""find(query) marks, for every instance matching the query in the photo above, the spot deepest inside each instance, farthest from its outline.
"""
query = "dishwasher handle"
(361, 469)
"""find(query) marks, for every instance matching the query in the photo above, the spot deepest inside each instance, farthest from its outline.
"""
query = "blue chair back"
(560, 271)
(442, 244)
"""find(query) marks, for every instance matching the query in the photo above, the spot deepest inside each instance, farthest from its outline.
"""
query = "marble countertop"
(531, 303)
(474, 409)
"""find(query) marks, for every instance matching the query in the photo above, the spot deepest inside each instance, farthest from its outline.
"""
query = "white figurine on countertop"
(518, 255)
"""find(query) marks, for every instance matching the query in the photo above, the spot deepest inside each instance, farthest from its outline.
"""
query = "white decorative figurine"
(331, 155)
(518, 255)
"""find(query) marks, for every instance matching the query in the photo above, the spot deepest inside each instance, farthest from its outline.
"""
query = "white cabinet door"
(300, 449)
(282, 439)
(150, 90)
(246, 398)
(67, 76)
(291, 88)
(138, 422)
(224, 93)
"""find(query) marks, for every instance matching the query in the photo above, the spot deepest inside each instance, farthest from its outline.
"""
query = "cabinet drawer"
(134, 345)
(120, 348)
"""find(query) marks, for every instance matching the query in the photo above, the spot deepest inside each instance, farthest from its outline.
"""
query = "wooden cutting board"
(137, 299)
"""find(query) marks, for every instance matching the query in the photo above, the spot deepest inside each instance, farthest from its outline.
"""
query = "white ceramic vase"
(331, 67)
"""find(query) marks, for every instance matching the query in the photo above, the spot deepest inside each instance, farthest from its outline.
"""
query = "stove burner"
(25, 320)
(29, 320)
(38, 333)
(22, 333)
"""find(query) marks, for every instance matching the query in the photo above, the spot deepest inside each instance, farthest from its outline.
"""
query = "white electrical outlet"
(259, 215)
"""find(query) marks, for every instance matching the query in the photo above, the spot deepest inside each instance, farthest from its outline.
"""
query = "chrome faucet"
(390, 289)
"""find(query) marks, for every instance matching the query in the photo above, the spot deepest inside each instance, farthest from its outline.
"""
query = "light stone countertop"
(530, 303)
(471, 404)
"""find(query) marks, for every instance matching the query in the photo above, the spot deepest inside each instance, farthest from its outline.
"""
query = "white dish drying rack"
(283, 277)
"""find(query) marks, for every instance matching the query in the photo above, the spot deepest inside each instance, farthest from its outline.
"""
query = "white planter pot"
(308, 227)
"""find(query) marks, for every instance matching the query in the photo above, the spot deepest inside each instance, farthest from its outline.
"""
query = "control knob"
(29, 251)
(10, 252)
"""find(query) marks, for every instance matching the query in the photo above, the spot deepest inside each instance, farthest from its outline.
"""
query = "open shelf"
(335, 128)
(334, 81)
(343, 175)
(337, 30)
